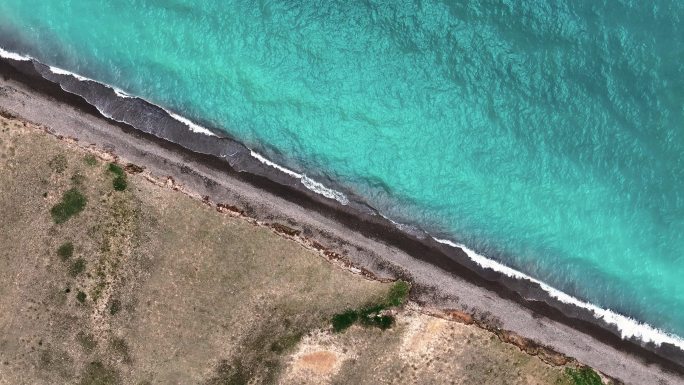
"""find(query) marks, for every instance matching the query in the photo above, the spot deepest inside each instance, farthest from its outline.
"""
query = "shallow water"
(547, 136)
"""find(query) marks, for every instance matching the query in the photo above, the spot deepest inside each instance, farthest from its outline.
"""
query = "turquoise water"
(546, 135)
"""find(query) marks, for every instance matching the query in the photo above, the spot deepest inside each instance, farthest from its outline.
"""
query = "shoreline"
(179, 139)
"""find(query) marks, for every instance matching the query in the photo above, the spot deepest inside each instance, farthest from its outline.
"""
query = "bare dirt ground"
(149, 286)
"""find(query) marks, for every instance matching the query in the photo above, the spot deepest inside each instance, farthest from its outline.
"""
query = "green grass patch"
(81, 296)
(58, 163)
(398, 294)
(87, 341)
(90, 160)
(97, 373)
(344, 320)
(77, 267)
(66, 251)
(583, 376)
(119, 183)
(230, 374)
(120, 347)
(286, 342)
(371, 315)
(72, 203)
(116, 169)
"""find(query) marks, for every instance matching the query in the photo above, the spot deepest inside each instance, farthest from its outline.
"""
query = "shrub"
(87, 340)
(96, 373)
(286, 342)
(72, 203)
(66, 251)
(114, 307)
(77, 267)
(583, 376)
(58, 164)
(81, 296)
(344, 320)
(119, 181)
(398, 294)
(90, 160)
(78, 179)
(372, 315)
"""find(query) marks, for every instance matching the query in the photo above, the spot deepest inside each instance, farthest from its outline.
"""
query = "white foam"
(309, 183)
(13, 56)
(192, 126)
(59, 71)
(628, 327)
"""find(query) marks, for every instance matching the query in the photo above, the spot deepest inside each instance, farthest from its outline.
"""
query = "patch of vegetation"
(90, 160)
(286, 342)
(81, 296)
(73, 202)
(120, 347)
(344, 320)
(398, 293)
(77, 267)
(96, 373)
(114, 307)
(583, 376)
(58, 163)
(99, 288)
(65, 251)
(372, 315)
(87, 341)
(78, 179)
(119, 181)
(227, 374)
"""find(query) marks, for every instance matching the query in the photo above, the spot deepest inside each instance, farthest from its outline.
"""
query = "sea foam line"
(627, 326)
(13, 56)
(309, 183)
(194, 127)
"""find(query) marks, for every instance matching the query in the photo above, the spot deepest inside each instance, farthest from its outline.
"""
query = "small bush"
(90, 160)
(96, 373)
(119, 183)
(398, 293)
(583, 376)
(58, 163)
(116, 169)
(86, 340)
(114, 307)
(81, 296)
(77, 267)
(66, 251)
(120, 347)
(372, 315)
(78, 179)
(286, 343)
(344, 320)
(73, 202)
